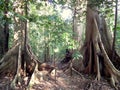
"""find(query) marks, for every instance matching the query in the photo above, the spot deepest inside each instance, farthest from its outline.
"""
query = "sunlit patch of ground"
(75, 82)
(63, 81)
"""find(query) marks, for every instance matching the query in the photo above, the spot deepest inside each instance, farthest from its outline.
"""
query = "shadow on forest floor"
(64, 81)
(75, 82)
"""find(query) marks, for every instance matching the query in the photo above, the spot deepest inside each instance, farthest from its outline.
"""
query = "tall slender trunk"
(4, 32)
(115, 27)
(6, 26)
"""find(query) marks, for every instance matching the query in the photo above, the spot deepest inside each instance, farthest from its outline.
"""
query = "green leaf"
(118, 28)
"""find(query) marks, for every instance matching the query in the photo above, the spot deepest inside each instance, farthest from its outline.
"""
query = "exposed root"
(98, 70)
(89, 65)
(45, 70)
(11, 52)
(96, 50)
(17, 79)
(33, 78)
(113, 81)
(12, 60)
(8, 62)
(97, 46)
(77, 72)
(113, 72)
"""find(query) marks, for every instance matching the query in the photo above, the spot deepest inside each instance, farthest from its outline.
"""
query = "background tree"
(4, 32)
(50, 30)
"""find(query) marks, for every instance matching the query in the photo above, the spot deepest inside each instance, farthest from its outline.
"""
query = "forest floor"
(64, 81)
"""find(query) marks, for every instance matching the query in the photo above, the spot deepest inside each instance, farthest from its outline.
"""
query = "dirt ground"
(63, 81)
(75, 82)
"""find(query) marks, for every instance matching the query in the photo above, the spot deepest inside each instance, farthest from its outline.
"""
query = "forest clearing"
(59, 45)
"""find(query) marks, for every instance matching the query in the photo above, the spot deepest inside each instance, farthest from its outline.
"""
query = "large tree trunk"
(97, 48)
(19, 60)
(107, 41)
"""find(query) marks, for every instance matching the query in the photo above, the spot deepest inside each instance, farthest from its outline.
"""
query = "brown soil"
(63, 81)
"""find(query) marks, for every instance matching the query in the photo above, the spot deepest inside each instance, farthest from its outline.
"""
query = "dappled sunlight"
(59, 45)
(49, 82)
(66, 82)
(16, 35)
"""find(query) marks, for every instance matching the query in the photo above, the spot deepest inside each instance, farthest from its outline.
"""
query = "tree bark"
(6, 26)
(4, 32)
(96, 47)
(19, 60)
